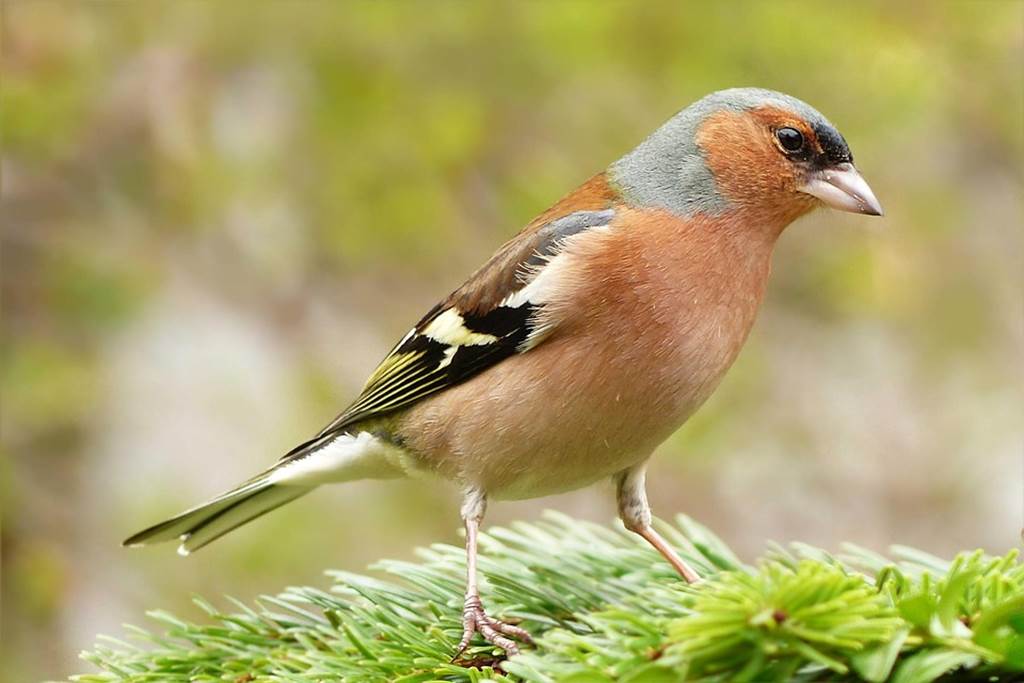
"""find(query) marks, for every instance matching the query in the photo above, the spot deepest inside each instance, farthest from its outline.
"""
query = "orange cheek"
(743, 159)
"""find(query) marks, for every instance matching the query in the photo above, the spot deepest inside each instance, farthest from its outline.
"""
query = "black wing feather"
(421, 365)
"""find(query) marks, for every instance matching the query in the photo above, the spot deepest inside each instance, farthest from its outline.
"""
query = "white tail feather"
(342, 457)
(211, 520)
(247, 508)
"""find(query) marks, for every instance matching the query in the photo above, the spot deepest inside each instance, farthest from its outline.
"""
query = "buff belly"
(643, 331)
(522, 431)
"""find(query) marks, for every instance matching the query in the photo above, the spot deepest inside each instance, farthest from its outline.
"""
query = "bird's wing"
(495, 314)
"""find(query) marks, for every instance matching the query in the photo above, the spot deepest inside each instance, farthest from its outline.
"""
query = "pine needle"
(604, 607)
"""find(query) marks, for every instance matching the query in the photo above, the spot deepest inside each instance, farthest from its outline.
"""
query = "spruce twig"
(606, 608)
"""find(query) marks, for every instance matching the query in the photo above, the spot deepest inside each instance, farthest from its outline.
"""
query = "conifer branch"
(606, 608)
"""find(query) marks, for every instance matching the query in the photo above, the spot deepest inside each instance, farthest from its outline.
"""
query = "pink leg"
(636, 516)
(474, 618)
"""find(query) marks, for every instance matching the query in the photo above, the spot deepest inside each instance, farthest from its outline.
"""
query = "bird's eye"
(791, 139)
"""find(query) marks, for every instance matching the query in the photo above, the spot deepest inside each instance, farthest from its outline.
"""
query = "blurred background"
(217, 217)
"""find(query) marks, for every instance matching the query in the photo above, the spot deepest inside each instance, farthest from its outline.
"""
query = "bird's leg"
(474, 618)
(636, 516)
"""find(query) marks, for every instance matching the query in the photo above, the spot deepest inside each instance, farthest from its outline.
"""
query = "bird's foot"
(494, 631)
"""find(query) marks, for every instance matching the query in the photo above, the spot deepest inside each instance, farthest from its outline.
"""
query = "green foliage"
(816, 612)
(605, 608)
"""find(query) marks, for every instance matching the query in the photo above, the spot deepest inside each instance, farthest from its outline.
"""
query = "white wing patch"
(450, 328)
(449, 355)
(449, 345)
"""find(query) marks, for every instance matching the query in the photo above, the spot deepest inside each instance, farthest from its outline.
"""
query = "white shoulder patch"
(548, 283)
(538, 290)
(543, 281)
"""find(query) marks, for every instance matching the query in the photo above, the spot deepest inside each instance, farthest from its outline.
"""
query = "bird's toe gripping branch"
(474, 618)
(494, 631)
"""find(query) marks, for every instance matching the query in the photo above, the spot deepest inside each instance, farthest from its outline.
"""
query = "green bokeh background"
(217, 217)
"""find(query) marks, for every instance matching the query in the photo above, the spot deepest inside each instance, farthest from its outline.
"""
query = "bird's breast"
(643, 338)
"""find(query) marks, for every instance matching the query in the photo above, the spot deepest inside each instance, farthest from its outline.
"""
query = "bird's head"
(745, 149)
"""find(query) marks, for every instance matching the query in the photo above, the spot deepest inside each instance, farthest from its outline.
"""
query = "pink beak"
(843, 187)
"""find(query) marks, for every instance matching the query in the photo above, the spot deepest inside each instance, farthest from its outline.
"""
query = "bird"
(586, 339)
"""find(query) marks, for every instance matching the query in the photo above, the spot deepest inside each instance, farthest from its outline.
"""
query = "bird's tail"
(211, 520)
(328, 457)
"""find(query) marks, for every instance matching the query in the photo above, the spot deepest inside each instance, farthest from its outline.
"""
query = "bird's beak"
(842, 187)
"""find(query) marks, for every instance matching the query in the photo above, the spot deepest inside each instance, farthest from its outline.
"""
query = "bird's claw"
(494, 631)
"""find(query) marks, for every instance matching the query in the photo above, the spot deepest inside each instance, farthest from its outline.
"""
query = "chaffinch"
(586, 340)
